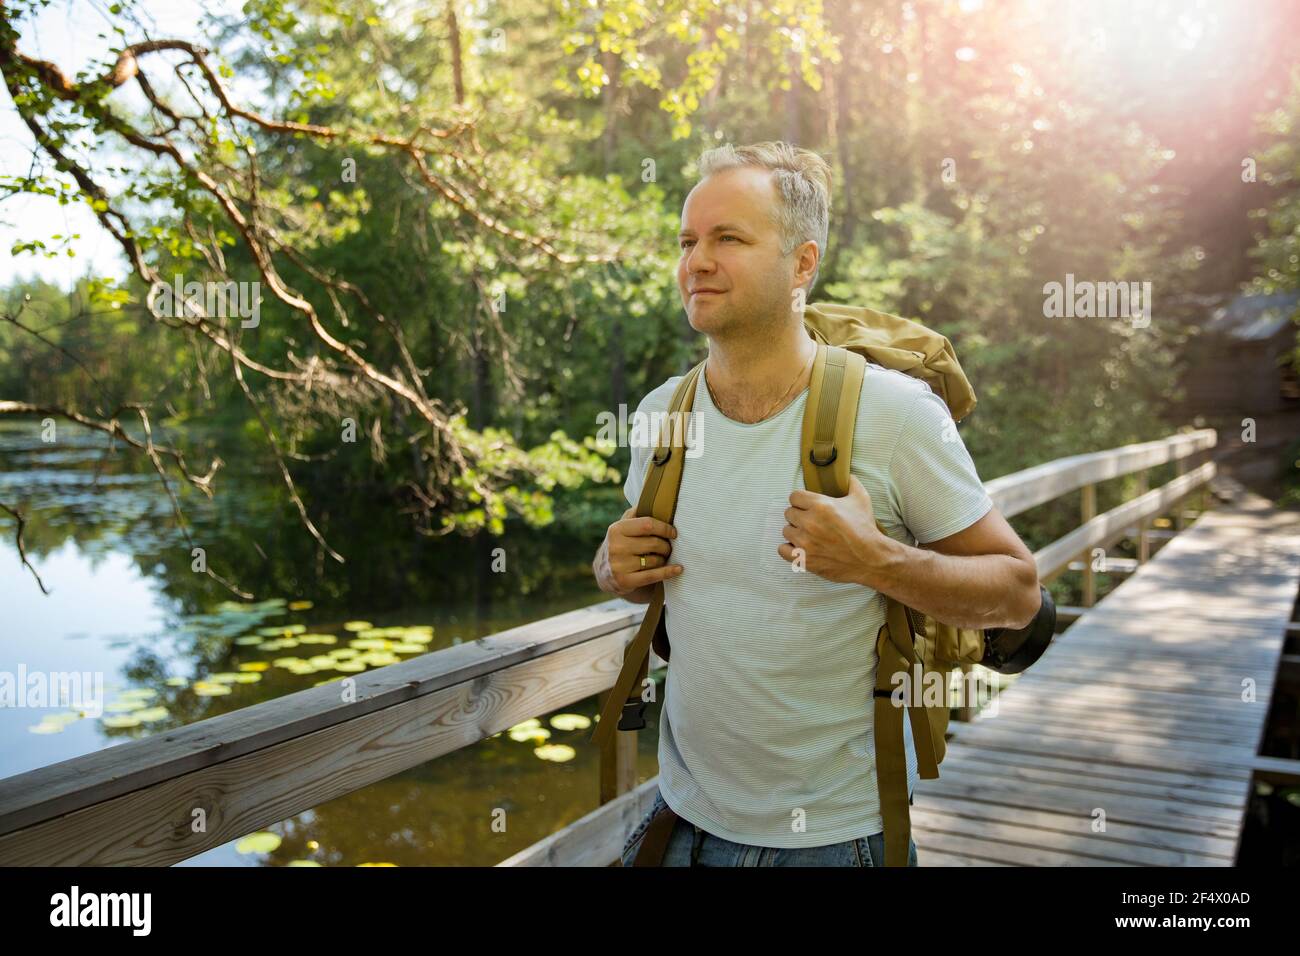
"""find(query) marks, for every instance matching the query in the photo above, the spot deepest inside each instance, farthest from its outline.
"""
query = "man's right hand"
(619, 569)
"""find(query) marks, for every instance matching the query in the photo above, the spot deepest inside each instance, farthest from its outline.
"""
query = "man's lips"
(707, 292)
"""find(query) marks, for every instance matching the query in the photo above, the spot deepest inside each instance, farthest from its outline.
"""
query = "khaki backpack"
(847, 336)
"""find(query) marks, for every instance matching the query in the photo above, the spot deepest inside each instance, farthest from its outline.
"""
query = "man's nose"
(697, 261)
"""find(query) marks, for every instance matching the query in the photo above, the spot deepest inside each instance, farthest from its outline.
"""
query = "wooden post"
(617, 759)
(1089, 511)
(1144, 542)
(1179, 523)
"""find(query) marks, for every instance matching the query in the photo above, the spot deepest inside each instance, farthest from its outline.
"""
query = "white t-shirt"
(765, 735)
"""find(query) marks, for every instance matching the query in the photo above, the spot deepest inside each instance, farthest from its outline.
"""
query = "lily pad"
(139, 693)
(300, 605)
(302, 863)
(252, 640)
(151, 714)
(254, 666)
(530, 733)
(123, 721)
(205, 689)
(123, 706)
(357, 626)
(570, 722)
(557, 753)
(262, 842)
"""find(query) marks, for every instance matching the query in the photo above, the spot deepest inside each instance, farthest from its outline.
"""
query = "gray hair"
(803, 188)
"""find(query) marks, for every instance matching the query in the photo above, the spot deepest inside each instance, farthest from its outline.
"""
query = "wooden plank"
(1132, 736)
(1081, 801)
(618, 758)
(928, 856)
(1277, 770)
(1169, 840)
(1104, 849)
(594, 840)
(1107, 528)
(1008, 854)
(153, 826)
(1199, 758)
(1152, 702)
(1157, 665)
(1174, 721)
(1188, 692)
(1220, 789)
(1030, 777)
(74, 784)
(1220, 687)
(1253, 655)
(1111, 726)
(1026, 489)
(1108, 565)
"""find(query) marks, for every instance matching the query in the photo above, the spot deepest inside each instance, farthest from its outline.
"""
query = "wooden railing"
(168, 797)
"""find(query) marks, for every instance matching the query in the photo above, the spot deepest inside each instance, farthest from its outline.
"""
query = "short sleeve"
(635, 474)
(934, 480)
(641, 438)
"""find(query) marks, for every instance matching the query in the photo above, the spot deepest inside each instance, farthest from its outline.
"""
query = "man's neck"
(747, 376)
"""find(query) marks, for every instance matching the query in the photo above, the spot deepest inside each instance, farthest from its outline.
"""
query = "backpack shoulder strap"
(623, 708)
(830, 419)
(664, 469)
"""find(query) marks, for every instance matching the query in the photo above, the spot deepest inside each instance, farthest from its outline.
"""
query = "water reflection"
(175, 648)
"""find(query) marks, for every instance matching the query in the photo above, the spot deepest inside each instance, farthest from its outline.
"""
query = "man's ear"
(805, 265)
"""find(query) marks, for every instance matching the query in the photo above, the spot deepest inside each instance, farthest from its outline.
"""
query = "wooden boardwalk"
(1135, 718)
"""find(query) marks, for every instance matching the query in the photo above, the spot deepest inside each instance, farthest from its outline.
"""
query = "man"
(765, 741)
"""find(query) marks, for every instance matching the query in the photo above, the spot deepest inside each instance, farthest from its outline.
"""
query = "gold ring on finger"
(643, 560)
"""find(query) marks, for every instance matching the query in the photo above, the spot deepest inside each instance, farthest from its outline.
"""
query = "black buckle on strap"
(633, 716)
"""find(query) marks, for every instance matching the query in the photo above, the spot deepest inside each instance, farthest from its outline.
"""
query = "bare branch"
(22, 552)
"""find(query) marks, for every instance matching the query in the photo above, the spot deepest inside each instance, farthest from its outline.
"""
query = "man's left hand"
(838, 537)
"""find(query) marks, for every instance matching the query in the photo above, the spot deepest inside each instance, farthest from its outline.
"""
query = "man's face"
(730, 243)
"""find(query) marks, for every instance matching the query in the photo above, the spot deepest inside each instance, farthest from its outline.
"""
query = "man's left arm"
(966, 570)
(980, 577)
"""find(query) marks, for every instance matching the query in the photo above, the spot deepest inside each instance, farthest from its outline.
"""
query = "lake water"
(175, 648)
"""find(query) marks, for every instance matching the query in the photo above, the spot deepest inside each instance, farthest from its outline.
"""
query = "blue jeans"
(690, 845)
